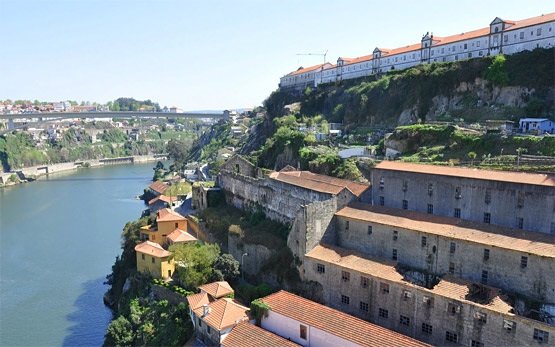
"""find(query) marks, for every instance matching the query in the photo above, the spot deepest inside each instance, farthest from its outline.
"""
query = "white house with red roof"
(501, 36)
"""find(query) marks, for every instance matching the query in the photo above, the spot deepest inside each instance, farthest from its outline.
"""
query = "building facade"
(154, 260)
(500, 37)
(509, 199)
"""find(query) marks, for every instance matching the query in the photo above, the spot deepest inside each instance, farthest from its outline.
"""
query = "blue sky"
(208, 54)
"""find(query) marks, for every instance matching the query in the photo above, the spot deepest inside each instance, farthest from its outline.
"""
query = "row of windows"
(153, 260)
(453, 308)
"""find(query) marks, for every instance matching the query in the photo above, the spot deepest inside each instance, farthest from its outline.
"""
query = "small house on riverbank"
(166, 222)
(154, 260)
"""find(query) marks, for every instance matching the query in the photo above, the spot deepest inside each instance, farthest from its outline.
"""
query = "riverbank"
(28, 174)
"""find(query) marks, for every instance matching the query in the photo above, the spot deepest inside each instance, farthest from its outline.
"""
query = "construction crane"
(319, 54)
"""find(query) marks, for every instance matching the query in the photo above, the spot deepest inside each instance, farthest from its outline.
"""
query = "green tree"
(496, 72)
(471, 156)
(228, 266)
(195, 263)
(178, 150)
(119, 333)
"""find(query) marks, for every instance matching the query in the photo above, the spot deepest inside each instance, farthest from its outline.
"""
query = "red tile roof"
(532, 21)
(319, 183)
(401, 50)
(179, 235)
(162, 197)
(217, 289)
(158, 186)
(336, 322)
(308, 69)
(449, 287)
(540, 244)
(167, 215)
(152, 249)
(459, 37)
(249, 335)
(197, 300)
(490, 175)
(223, 313)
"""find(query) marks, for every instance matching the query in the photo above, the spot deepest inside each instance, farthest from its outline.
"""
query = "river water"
(59, 237)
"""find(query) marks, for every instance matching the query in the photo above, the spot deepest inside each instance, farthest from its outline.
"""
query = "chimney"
(205, 310)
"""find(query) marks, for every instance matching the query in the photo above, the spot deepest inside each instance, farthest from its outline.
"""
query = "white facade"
(507, 37)
(290, 329)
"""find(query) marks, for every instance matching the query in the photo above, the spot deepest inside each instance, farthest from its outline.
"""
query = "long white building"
(501, 36)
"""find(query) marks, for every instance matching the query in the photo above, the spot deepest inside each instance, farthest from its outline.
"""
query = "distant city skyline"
(207, 55)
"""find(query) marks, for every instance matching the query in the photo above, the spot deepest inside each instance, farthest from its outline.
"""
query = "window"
(465, 46)
(383, 313)
(152, 260)
(382, 183)
(486, 254)
(382, 201)
(426, 329)
(457, 213)
(484, 277)
(430, 209)
(496, 29)
(424, 241)
(452, 247)
(395, 235)
(394, 254)
(302, 331)
(364, 282)
(363, 306)
(321, 268)
(236, 168)
(522, 35)
(520, 222)
(369, 230)
(208, 329)
(405, 186)
(481, 317)
(404, 320)
(475, 343)
(428, 301)
(384, 288)
(406, 295)
(430, 189)
(451, 337)
(523, 262)
(345, 276)
(487, 199)
(458, 193)
(509, 325)
(142, 256)
(176, 225)
(487, 217)
(453, 308)
(478, 44)
(405, 204)
(199, 323)
(451, 268)
(505, 38)
(470, 55)
(541, 336)
(345, 299)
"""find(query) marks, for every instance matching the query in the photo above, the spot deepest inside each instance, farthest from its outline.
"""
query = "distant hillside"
(477, 89)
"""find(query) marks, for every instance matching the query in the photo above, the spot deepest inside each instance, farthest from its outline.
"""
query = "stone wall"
(503, 265)
(257, 257)
(508, 201)
(434, 313)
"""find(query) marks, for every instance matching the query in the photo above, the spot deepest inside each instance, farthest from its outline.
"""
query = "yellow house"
(154, 260)
(167, 221)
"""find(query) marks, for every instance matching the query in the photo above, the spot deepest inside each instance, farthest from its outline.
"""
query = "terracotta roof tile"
(223, 313)
(152, 249)
(449, 287)
(167, 215)
(531, 242)
(336, 322)
(308, 69)
(158, 186)
(319, 183)
(179, 235)
(532, 21)
(459, 37)
(249, 335)
(490, 175)
(197, 300)
(217, 289)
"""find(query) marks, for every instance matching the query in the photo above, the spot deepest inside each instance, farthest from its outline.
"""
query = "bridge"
(112, 114)
(54, 116)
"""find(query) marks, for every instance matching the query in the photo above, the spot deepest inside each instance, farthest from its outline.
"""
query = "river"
(59, 237)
